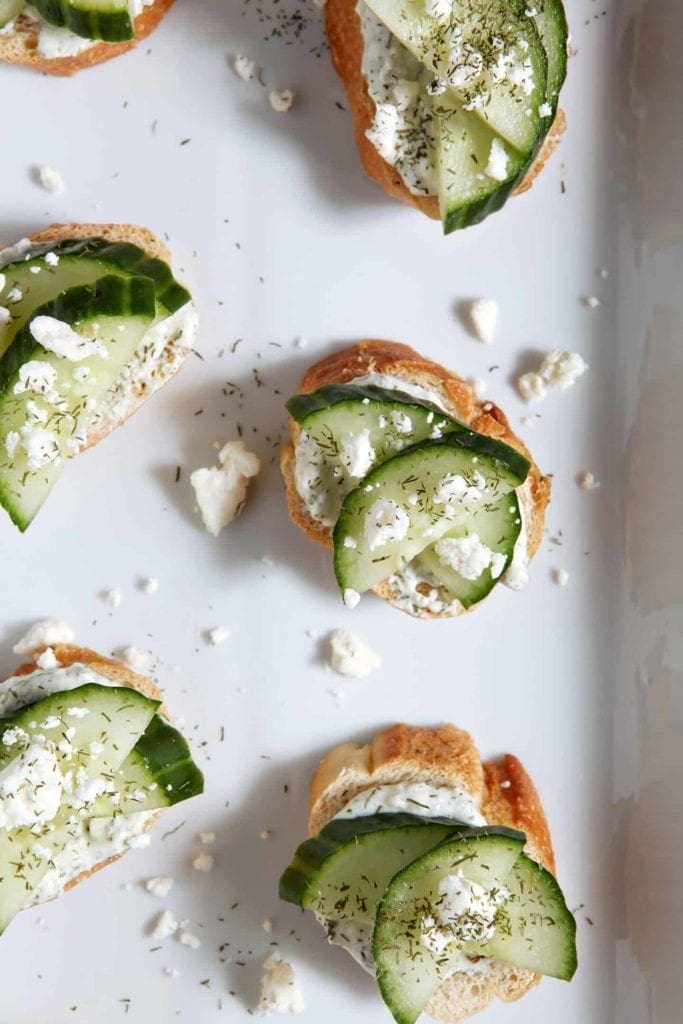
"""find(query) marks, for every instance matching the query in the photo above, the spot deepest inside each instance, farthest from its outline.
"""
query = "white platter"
(281, 236)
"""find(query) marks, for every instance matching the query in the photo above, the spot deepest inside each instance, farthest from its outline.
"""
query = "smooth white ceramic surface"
(280, 235)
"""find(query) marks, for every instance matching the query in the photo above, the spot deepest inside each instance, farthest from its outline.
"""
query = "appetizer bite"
(424, 493)
(92, 322)
(60, 37)
(454, 101)
(435, 871)
(88, 759)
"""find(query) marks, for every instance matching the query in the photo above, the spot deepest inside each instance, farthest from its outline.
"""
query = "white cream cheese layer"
(91, 841)
(54, 42)
(420, 799)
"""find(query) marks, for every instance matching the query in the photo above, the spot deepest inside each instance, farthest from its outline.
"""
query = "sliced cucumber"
(414, 499)
(109, 20)
(351, 429)
(9, 9)
(551, 22)
(48, 402)
(409, 968)
(467, 194)
(504, 85)
(534, 929)
(497, 527)
(342, 873)
(34, 280)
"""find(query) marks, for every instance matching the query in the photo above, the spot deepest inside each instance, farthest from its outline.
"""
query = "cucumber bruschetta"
(92, 322)
(88, 760)
(455, 102)
(424, 493)
(60, 37)
(435, 871)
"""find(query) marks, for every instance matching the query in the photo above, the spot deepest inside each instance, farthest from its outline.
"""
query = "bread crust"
(502, 790)
(70, 654)
(20, 46)
(154, 247)
(343, 27)
(459, 399)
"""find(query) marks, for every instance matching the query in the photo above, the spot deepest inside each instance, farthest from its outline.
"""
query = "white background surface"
(280, 235)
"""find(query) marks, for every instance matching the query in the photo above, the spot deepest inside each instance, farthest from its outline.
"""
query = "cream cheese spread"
(91, 842)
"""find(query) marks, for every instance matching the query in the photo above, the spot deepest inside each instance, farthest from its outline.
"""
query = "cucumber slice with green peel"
(551, 21)
(31, 281)
(350, 429)
(92, 726)
(487, 56)
(108, 20)
(416, 498)
(49, 402)
(158, 772)
(534, 928)
(467, 194)
(9, 9)
(343, 871)
(415, 912)
(498, 527)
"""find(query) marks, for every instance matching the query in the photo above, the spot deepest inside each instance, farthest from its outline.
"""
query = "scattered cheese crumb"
(159, 886)
(113, 597)
(281, 102)
(51, 180)
(558, 371)
(166, 924)
(222, 490)
(245, 68)
(301, 343)
(592, 301)
(351, 656)
(561, 577)
(190, 940)
(204, 862)
(149, 585)
(207, 838)
(268, 560)
(218, 635)
(484, 319)
(267, 833)
(280, 991)
(267, 926)
(47, 659)
(505, 784)
(171, 972)
(497, 167)
(47, 633)
(587, 482)
(136, 658)
(351, 597)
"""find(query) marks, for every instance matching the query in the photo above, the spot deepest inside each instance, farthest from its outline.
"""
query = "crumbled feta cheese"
(558, 371)
(207, 838)
(77, 712)
(351, 597)
(301, 343)
(60, 338)
(5, 316)
(47, 659)
(439, 9)
(592, 302)
(561, 577)
(484, 319)
(149, 585)
(218, 635)
(38, 376)
(267, 926)
(52, 259)
(469, 556)
(465, 912)
(545, 110)
(497, 167)
(350, 542)
(190, 940)
(453, 489)
(280, 991)
(282, 101)
(137, 659)
(401, 422)
(357, 454)
(385, 522)
(51, 180)
(204, 862)
(245, 68)
(165, 925)
(48, 633)
(41, 446)
(266, 833)
(516, 577)
(351, 656)
(159, 886)
(222, 490)
(587, 482)
(113, 597)
(15, 295)
(30, 787)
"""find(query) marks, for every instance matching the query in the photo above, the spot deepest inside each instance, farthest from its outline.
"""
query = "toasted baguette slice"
(460, 402)
(504, 794)
(69, 654)
(345, 37)
(20, 46)
(145, 384)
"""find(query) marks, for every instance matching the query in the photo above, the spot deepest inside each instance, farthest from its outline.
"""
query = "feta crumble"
(189, 939)
(149, 585)
(587, 482)
(47, 659)
(218, 635)
(280, 990)
(385, 522)
(484, 319)
(245, 68)
(350, 656)
(221, 491)
(282, 101)
(559, 371)
(561, 577)
(48, 633)
(51, 180)
(204, 862)
(137, 659)
(497, 166)
(159, 886)
(165, 925)
(469, 556)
